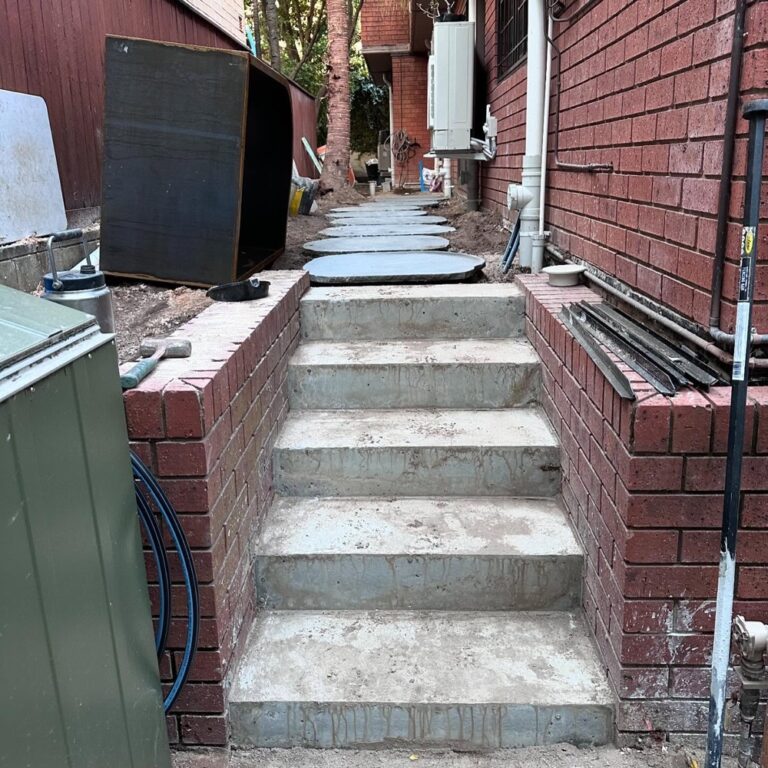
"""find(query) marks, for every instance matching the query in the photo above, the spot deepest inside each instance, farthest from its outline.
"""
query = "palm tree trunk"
(270, 12)
(336, 166)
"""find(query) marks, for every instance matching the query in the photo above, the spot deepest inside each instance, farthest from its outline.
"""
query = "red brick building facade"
(394, 44)
(644, 88)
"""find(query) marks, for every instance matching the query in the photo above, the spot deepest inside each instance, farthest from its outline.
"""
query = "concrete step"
(463, 680)
(466, 310)
(457, 554)
(413, 373)
(425, 452)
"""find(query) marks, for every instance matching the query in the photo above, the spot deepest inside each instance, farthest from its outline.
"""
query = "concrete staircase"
(420, 583)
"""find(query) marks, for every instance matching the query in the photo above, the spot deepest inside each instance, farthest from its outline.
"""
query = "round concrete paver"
(385, 206)
(373, 230)
(379, 243)
(393, 267)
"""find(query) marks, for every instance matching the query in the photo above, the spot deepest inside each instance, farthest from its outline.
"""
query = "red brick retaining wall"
(644, 86)
(206, 426)
(409, 106)
(642, 484)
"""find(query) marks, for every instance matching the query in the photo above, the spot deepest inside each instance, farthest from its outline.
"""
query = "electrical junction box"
(450, 86)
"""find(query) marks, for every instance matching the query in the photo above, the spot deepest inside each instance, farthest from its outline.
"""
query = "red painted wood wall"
(56, 50)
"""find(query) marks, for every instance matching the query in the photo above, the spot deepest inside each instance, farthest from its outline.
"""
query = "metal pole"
(755, 112)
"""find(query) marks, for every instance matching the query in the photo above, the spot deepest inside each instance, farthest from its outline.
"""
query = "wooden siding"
(228, 15)
(56, 50)
(304, 124)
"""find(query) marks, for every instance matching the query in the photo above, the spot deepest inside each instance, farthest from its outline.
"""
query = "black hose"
(157, 498)
(155, 539)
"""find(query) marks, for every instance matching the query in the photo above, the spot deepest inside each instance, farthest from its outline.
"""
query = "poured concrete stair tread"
(464, 678)
(438, 553)
(427, 427)
(318, 354)
(418, 452)
(390, 526)
(406, 373)
(438, 311)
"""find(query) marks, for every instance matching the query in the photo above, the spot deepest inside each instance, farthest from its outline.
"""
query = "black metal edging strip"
(634, 358)
(600, 358)
(680, 357)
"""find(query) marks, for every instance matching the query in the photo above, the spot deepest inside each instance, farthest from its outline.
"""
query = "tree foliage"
(302, 30)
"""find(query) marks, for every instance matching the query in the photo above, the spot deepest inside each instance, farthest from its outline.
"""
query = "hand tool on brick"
(153, 351)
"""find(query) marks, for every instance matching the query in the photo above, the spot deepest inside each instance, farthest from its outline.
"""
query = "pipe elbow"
(518, 196)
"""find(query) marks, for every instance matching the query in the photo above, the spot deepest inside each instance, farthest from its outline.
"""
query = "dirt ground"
(151, 310)
(143, 309)
(557, 756)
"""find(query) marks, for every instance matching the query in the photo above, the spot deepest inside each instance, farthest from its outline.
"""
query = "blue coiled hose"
(153, 496)
(511, 250)
(155, 539)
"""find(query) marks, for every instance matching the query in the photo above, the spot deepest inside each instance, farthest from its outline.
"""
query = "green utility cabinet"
(79, 684)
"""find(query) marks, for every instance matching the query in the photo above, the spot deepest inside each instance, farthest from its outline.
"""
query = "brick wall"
(644, 87)
(385, 23)
(642, 484)
(206, 426)
(409, 104)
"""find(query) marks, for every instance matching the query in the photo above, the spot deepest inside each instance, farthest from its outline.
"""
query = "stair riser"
(419, 582)
(456, 726)
(414, 386)
(470, 471)
(416, 318)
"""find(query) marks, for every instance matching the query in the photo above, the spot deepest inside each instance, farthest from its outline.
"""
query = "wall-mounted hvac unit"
(450, 88)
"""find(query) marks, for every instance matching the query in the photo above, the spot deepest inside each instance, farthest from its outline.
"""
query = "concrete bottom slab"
(549, 756)
(465, 680)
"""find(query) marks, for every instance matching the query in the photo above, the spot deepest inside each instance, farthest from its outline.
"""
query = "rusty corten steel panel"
(304, 124)
(56, 50)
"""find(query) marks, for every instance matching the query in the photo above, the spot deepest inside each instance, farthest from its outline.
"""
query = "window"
(512, 25)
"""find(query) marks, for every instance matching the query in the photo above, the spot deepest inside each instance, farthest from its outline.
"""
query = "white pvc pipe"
(534, 126)
(534, 106)
(545, 126)
(539, 240)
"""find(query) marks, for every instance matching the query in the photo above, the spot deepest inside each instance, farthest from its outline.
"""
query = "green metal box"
(79, 683)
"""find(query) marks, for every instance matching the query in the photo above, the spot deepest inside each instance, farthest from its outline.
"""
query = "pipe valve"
(751, 637)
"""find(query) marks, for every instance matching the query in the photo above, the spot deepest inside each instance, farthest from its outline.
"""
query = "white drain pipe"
(540, 239)
(528, 194)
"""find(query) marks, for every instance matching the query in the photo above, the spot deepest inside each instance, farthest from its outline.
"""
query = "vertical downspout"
(534, 118)
(540, 240)
(473, 166)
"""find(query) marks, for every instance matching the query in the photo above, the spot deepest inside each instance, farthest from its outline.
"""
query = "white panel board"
(31, 202)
